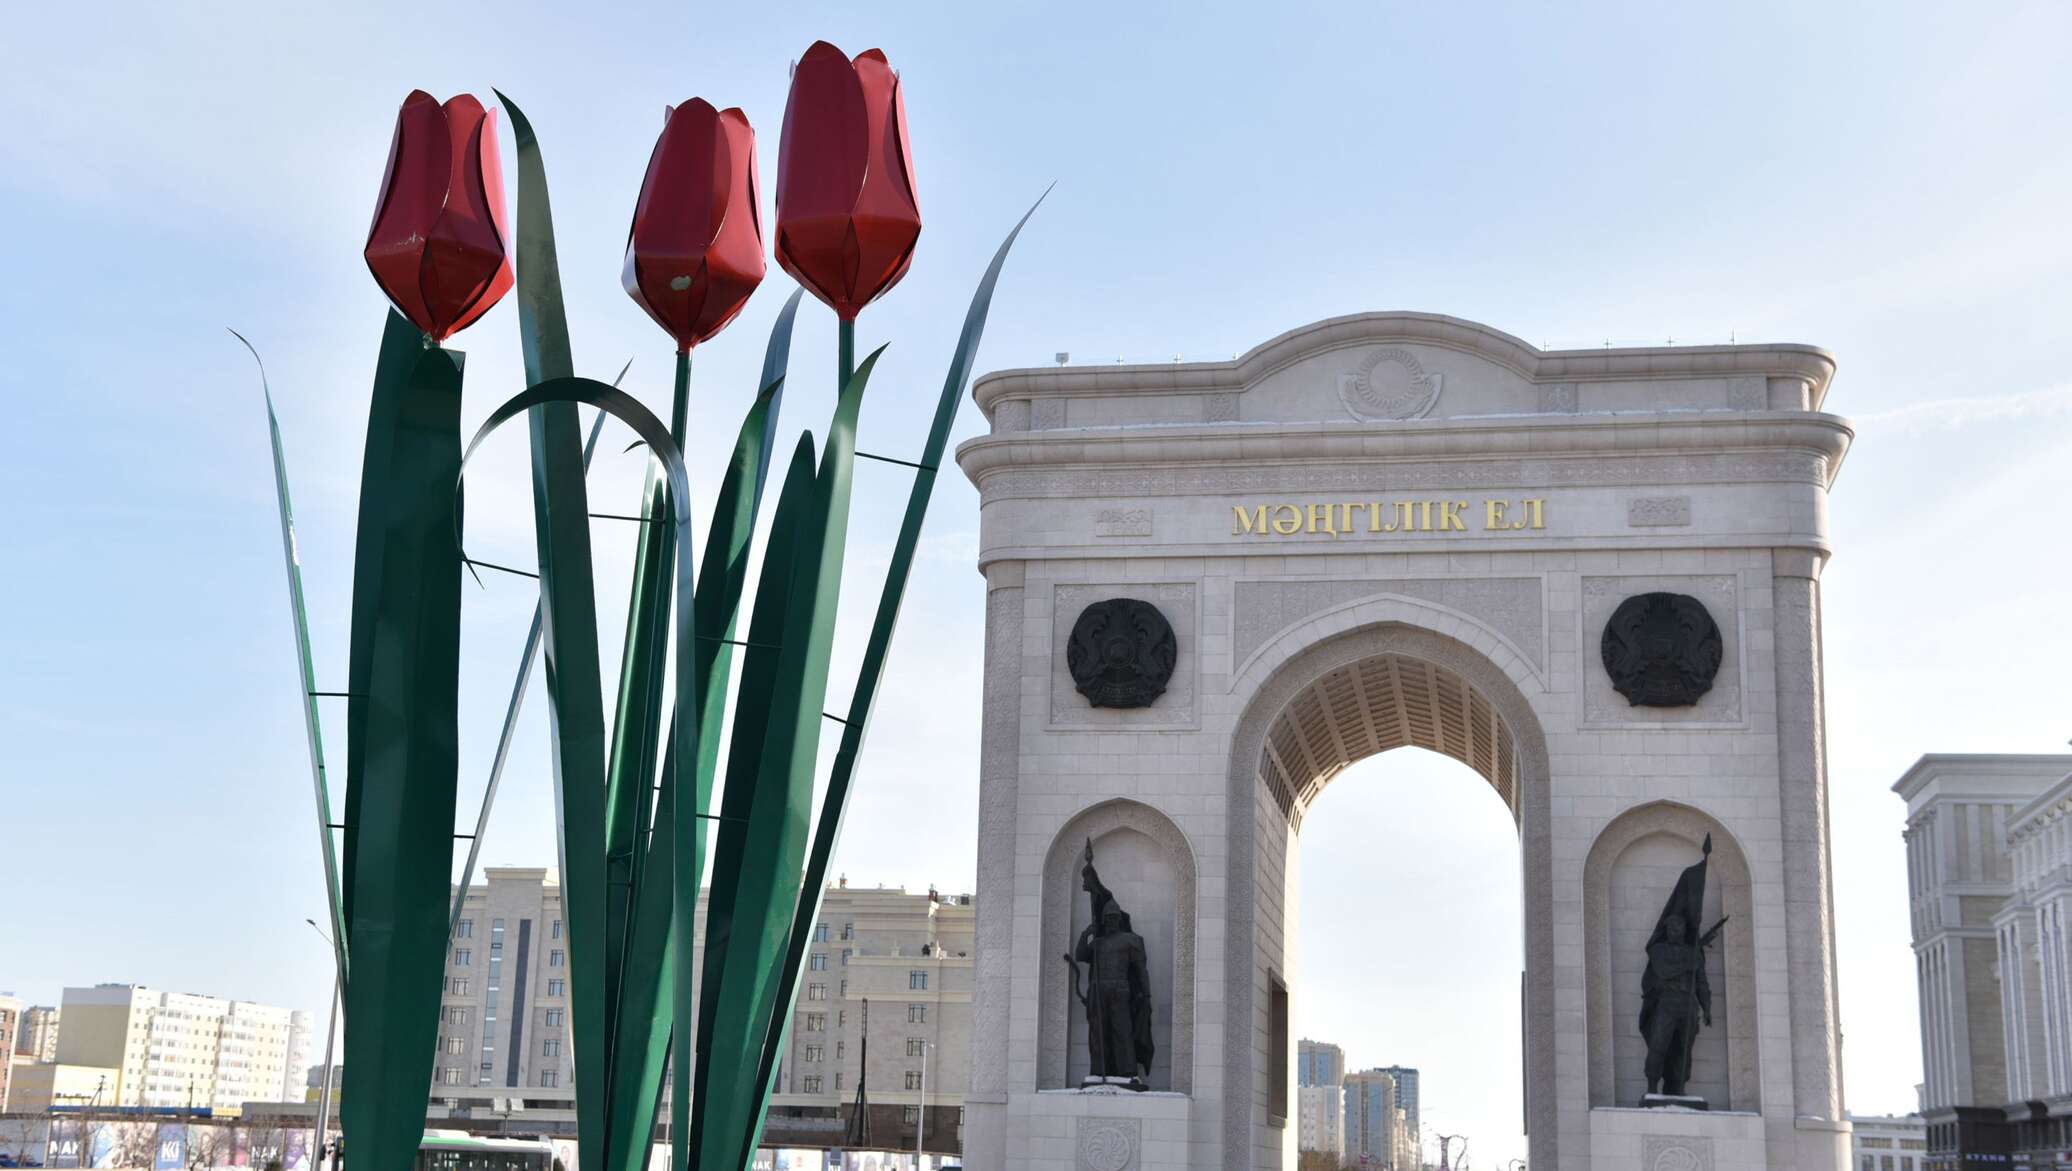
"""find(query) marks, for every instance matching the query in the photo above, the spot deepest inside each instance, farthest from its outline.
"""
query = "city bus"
(457, 1150)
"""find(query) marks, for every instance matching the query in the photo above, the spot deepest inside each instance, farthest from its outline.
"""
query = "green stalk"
(845, 353)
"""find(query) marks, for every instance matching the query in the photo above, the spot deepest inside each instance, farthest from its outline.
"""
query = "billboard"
(170, 1153)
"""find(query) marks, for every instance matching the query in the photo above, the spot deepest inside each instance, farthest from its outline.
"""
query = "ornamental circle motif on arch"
(1391, 384)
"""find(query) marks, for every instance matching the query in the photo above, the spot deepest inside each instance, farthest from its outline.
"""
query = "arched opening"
(1339, 707)
(1382, 976)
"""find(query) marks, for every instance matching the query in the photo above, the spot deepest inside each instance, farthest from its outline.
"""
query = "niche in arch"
(1631, 869)
(1146, 861)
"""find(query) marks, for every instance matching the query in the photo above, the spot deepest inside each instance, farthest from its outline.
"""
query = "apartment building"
(37, 1039)
(183, 1049)
(503, 1016)
(10, 1028)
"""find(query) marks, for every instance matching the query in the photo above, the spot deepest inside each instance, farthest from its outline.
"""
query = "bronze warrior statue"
(1118, 986)
(1675, 996)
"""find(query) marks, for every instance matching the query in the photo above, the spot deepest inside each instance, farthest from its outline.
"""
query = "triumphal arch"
(1592, 576)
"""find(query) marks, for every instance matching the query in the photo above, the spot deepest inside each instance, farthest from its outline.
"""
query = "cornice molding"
(1537, 442)
(1785, 360)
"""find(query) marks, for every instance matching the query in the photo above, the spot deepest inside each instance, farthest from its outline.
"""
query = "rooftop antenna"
(1064, 356)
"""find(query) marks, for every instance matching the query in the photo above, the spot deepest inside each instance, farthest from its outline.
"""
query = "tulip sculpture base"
(639, 805)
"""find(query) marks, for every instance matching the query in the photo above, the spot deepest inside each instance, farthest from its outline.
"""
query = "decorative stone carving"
(1391, 384)
(1658, 511)
(1122, 653)
(1675, 1152)
(1219, 408)
(1661, 650)
(1558, 398)
(1109, 1144)
(1512, 606)
(1749, 394)
(1012, 415)
(1122, 522)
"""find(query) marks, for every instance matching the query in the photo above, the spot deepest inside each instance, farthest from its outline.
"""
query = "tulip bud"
(695, 250)
(847, 219)
(436, 246)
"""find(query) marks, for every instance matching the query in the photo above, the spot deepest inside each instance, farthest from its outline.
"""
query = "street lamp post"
(330, 1034)
(921, 1116)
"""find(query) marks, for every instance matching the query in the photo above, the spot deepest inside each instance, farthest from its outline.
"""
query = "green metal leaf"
(834, 802)
(561, 519)
(683, 731)
(312, 721)
(401, 770)
(526, 658)
(645, 1015)
(768, 798)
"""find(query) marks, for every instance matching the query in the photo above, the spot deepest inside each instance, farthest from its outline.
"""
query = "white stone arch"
(1613, 986)
(1293, 661)
(1107, 820)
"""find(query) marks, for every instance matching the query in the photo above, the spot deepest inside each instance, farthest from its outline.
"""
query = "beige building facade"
(1989, 870)
(1402, 529)
(182, 1049)
(10, 1029)
(38, 1039)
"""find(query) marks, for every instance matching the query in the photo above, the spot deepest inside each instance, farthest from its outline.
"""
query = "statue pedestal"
(1686, 1139)
(1673, 1102)
(1111, 1085)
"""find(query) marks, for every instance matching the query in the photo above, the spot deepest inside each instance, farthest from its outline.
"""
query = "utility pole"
(330, 1033)
(921, 1115)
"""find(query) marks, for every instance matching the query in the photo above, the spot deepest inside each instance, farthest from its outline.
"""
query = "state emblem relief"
(1391, 384)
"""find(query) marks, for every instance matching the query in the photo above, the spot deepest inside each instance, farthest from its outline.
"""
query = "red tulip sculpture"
(437, 247)
(695, 251)
(847, 218)
(642, 802)
(437, 243)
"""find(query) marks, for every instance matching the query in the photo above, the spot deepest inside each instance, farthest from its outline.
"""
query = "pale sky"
(1886, 180)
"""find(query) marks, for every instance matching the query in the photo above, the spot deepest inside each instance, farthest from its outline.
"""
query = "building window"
(816, 1022)
(554, 1016)
(456, 1016)
(465, 929)
(842, 1019)
(816, 992)
(1277, 1051)
(496, 924)
(555, 958)
(551, 1047)
(841, 1047)
(816, 1053)
(486, 1067)
(845, 957)
(457, 986)
(917, 1014)
(557, 988)
(810, 1084)
(820, 933)
(463, 958)
(456, 1045)
(496, 944)
(838, 1083)
(450, 1075)
(818, 962)
(848, 931)
(550, 1077)
(917, 980)
(916, 1047)
(845, 990)
(913, 1079)
(912, 1115)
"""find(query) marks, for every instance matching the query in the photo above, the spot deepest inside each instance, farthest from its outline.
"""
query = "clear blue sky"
(1888, 180)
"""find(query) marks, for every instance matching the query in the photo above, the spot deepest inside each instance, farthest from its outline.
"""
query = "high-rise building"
(1889, 1142)
(504, 1044)
(1406, 1098)
(503, 1016)
(10, 1029)
(1320, 1119)
(38, 1037)
(1370, 1118)
(180, 1049)
(1318, 1063)
(1989, 870)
